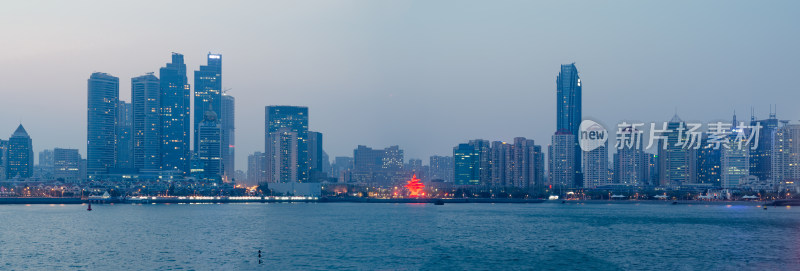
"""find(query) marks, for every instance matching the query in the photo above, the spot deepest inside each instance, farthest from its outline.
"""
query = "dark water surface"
(358, 236)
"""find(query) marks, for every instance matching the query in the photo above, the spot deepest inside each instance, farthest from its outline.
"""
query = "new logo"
(592, 135)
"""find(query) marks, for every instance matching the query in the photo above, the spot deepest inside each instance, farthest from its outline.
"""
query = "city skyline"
(696, 73)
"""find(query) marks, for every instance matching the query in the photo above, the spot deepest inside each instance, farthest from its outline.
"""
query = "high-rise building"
(631, 162)
(67, 165)
(538, 167)
(283, 156)
(709, 164)
(735, 164)
(524, 163)
(569, 105)
(341, 168)
(315, 157)
(501, 164)
(786, 155)
(415, 168)
(207, 91)
(103, 102)
(466, 164)
(677, 164)
(561, 155)
(209, 147)
(760, 160)
(227, 120)
(595, 167)
(295, 120)
(3, 159)
(326, 164)
(255, 168)
(44, 168)
(441, 168)
(381, 167)
(514, 165)
(19, 156)
(124, 135)
(175, 117)
(484, 166)
(146, 107)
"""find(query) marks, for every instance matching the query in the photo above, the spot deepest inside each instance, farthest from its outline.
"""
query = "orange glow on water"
(415, 187)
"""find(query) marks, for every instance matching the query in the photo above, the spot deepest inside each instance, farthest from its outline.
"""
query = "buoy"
(90, 207)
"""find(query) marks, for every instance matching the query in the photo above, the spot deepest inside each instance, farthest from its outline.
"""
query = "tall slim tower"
(103, 102)
(568, 107)
(146, 101)
(227, 120)
(207, 91)
(124, 135)
(760, 158)
(175, 116)
(562, 160)
(595, 167)
(317, 174)
(677, 165)
(288, 119)
(209, 149)
(19, 159)
(3, 158)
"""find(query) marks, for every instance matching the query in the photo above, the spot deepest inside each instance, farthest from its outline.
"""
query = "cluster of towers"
(155, 135)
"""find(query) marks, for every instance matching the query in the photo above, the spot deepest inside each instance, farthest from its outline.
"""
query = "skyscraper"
(255, 168)
(735, 164)
(67, 163)
(569, 106)
(786, 155)
(501, 164)
(283, 153)
(19, 156)
(146, 103)
(595, 167)
(227, 120)
(175, 117)
(103, 102)
(708, 164)
(441, 168)
(124, 135)
(315, 157)
(44, 169)
(341, 168)
(760, 160)
(678, 165)
(382, 167)
(562, 160)
(631, 162)
(207, 91)
(295, 120)
(514, 165)
(209, 147)
(466, 164)
(3, 159)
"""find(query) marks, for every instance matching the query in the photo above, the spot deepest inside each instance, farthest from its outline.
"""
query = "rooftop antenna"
(774, 112)
(752, 114)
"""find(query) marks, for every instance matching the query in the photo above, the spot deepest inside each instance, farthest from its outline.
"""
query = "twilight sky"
(425, 75)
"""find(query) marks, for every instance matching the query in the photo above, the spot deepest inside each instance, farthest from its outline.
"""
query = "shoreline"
(192, 200)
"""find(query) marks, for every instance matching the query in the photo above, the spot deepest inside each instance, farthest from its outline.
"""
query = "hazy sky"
(425, 75)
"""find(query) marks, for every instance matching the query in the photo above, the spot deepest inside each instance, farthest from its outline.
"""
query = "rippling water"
(399, 236)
